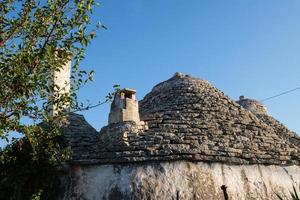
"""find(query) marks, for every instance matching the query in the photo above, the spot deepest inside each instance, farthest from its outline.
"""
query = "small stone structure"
(61, 78)
(124, 107)
(253, 106)
(62, 85)
(190, 142)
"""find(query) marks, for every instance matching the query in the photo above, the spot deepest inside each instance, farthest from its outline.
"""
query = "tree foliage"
(38, 37)
(33, 32)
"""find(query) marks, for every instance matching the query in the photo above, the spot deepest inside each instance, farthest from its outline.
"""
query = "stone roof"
(79, 135)
(186, 118)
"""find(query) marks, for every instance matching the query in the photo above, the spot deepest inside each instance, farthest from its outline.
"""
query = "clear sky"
(248, 47)
(243, 47)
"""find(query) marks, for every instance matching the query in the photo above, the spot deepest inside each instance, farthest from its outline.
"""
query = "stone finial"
(179, 74)
(252, 105)
(124, 107)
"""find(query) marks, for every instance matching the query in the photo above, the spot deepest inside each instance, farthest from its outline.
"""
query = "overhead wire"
(262, 100)
(280, 94)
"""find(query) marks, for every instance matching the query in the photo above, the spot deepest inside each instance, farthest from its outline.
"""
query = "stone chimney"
(124, 107)
(252, 105)
(61, 79)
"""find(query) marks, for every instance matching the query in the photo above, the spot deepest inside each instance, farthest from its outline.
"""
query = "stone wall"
(180, 180)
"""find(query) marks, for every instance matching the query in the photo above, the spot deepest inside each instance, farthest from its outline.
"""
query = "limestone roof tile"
(189, 119)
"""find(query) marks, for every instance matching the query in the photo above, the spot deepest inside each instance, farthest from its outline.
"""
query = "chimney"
(61, 79)
(124, 107)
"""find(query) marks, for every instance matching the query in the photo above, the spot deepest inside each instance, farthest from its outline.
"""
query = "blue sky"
(248, 47)
(243, 47)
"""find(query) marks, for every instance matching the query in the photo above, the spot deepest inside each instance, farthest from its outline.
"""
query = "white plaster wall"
(181, 180)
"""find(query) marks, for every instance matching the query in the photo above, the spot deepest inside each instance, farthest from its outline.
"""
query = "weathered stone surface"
(80, 136)
(192, 141)
(124, 107)
(252, 105)
(180, 180)
(186, 118)
(61, 79)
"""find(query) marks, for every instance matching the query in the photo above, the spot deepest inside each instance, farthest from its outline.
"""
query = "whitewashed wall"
(180, 180)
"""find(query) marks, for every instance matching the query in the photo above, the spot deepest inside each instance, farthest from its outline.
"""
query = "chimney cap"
(128, 91)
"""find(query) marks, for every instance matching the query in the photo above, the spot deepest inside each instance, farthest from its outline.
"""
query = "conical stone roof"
(189, 119)
(208, 120)
(260, 112)
(79, 135)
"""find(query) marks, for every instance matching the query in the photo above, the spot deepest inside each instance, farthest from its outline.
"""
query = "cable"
(91, 106)
(280, 94)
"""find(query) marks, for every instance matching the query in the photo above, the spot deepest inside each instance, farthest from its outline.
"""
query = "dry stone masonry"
(183, 140)
(185, 118)
(252, 105)
(124, 107)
